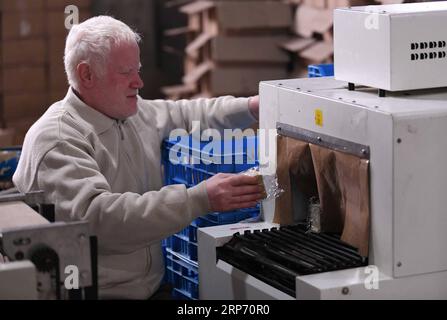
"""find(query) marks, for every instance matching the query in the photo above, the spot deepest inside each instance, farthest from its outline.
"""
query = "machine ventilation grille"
(433, 50)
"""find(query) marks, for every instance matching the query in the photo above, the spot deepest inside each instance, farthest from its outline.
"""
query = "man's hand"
(227, 192)
(253, 105)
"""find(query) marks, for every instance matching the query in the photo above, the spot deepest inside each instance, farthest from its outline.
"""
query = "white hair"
(91, 42)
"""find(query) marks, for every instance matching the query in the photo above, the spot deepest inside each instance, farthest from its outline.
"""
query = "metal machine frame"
(408, 191)
(39, 254)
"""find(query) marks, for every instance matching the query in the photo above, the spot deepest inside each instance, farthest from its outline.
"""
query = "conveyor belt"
(278, 256)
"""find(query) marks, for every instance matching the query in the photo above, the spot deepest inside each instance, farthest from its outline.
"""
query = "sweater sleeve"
(217, 113)
(123, 222)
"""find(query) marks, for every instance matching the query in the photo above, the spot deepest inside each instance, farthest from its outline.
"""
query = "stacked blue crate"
(188, 161)
(9, 159)
(320, 70)
(183, 274)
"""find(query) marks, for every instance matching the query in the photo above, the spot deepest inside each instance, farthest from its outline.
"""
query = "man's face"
(116, 92)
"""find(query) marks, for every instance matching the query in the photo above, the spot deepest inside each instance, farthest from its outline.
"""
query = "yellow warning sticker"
(319, 117)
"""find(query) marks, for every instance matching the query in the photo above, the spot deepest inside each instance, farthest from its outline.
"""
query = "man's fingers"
(249, 198)
(241, 179)
(243, 190)
(245, 205)
(227, 192)
(225, 175)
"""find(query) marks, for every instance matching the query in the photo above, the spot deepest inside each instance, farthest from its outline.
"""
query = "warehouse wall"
(140, 15)
(171, 49)
(161, 66)
(32, 37)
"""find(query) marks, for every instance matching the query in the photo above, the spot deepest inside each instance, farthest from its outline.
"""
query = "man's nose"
(137, 82)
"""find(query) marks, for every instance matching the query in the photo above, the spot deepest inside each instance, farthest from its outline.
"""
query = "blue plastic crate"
(185, 233)
(184, 266)
(182, 246)
(200, 222)
(214, 219)
(232, 216)
(163, 250)
(185, 174)
(188, 161)
(188, 150)
(183, 274)
(320, 70)
(184, 243)
(178, 294)
(191, 169)
(190, 232)
(9, 159)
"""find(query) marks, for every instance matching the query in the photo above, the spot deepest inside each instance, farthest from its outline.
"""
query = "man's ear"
(85, 75)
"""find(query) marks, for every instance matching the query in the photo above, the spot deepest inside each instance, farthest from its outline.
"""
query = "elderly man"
(96, 154)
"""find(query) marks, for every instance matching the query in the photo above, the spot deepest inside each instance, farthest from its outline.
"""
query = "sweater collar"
(98, 121)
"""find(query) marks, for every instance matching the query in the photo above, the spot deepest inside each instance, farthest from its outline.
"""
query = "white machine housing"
(18, 281)
(408, 191)
(392, 47)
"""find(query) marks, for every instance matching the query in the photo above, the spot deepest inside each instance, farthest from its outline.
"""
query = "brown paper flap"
(357, 219)
(294, 166)
(331, 197)
(343, 188)
(339, 180)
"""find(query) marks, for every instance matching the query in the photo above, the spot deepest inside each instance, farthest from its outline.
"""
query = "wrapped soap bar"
(314, 216)
(268, 182)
